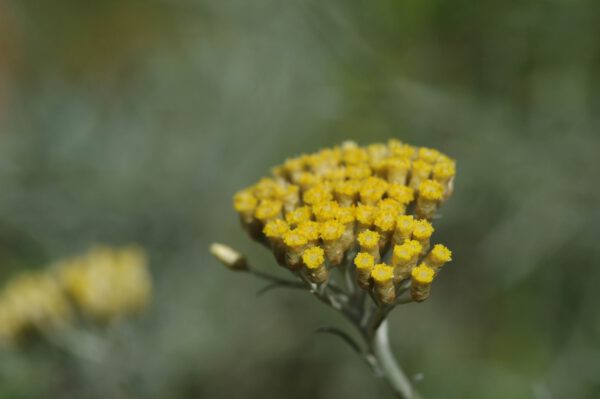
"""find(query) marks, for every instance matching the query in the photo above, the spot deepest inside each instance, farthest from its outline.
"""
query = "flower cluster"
(103, 284)
(107, 283)
(369, 208)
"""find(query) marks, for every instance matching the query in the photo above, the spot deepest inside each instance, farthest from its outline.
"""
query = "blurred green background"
(135, 121)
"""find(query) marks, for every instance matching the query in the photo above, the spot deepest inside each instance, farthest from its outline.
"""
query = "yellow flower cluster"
(32, 301)
(361, 206)
(107, 283)
(103, 284)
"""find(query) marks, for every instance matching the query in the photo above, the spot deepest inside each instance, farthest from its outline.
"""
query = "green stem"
(392, 372)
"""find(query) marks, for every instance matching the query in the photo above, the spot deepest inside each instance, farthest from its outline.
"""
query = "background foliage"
(135, 121)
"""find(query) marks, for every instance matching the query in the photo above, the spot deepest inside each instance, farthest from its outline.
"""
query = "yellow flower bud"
(364, 263)
(404, 258)
(365, 215)
(438, 256)
(298, 215)
(354, 155)
(346, 191)
(316, 194)
(311, 230)
(420, 171)
(369, 243)
(372, 190)
(290, 197)
(358, 172)
(244, 202)
(422, 232)
(403, 194)
(428, 154)
(314, 260)
(404, 228)
(295, 241)
(430, 194)
(400, 150)
(421, 278)
(274, 231)
(383, 280)
(268, 210)
(444, 172)
(325, 210)
(397, 170)
(345, 215)
(331, 234)
(306, 180)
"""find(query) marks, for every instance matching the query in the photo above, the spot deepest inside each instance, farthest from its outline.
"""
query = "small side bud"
(231, 258)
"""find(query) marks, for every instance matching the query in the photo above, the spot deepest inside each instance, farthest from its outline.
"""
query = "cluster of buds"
(107, 283)
(103, 284)
(367, 208)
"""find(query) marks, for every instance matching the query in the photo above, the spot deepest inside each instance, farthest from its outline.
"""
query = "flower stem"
(392, 372)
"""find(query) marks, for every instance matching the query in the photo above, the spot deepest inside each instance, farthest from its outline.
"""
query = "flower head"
(319, 210)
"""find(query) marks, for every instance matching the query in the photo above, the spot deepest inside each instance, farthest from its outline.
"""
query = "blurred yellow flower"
(107, 283)
(104, 284)
(32, 301)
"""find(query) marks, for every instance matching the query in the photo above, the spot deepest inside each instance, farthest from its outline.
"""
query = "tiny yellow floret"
(345, 215)
(306, 180)
(267, 188)
(422, 274)
(299, 215)
(365, 214)
(398, 164)
(405, 225)
(401, 150)
(313, 257)
(385, 220)
(431, 190)
(268, 209)
(390, 205)
(295, 239)
(382, 273)
(358, 172)
(316, 194)
(335, 174)
(354, 155)
(414, 245)
(403, 254)
(444, 171)
(421, 169)
(325, 210)
(331, 230)
(276, 228)
(368, 239)
(428, 154)
(244, 201)
(364, 261)
(347, 188)
(438, 256)
(401, 193)
(310, 229)
(422, 230)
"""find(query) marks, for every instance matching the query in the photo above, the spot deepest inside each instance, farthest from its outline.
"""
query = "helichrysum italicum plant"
(99, 286)
(354, 226)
